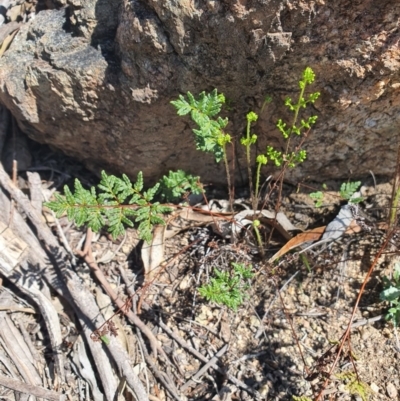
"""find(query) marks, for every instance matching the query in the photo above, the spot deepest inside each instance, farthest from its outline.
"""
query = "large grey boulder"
(96, 78)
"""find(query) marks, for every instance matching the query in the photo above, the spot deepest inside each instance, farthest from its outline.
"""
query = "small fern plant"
(354, 386)
(228, 288)
(391, 294)
(210, 136)
(119, 203)
(348, 191)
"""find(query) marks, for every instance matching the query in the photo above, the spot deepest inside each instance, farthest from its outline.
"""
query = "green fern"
(391, 294)
(210, 136)
(118, 204)
(354, 386)
(317, 197)
(348, 189)
(228, 288)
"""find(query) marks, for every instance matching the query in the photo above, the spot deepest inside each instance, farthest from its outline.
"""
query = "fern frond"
(203, 111)
(109, 207)
(139, 182)
(182, 106)
(149, 194)
(227, 289)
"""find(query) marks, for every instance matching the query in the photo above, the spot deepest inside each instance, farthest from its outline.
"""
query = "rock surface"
(95, 78)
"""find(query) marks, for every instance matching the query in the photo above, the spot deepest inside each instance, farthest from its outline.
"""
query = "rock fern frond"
(118, 204)
(203, 111)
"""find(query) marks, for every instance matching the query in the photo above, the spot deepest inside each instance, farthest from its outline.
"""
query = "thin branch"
(202, 358)
(204, 369)
(133, 318)
(30, 389)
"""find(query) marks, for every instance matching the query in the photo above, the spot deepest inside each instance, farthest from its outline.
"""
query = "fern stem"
(257, 184)
(228, 177)
(253, 196)
(295, 117)
(256, 223)
(395, 193)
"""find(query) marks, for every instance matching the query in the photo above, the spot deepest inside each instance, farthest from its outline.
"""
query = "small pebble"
(304, 299)
(391, 391)
(184, 283)
(254, 321)
(374, 388)
(365, 334)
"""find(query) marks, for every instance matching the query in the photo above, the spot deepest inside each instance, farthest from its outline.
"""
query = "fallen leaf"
(7, 41)
(187, 218)
(277, 220)
(310, 236)
(307, 236)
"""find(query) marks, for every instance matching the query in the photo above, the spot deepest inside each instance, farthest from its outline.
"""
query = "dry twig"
(29, 389)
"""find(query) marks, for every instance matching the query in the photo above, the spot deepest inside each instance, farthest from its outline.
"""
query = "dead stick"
(204, 369)
(30, 389)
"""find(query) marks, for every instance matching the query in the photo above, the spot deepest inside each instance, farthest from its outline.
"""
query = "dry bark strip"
(29, 389)
(80, 298)
(38, 258)
(7, 29)
(18, 351)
